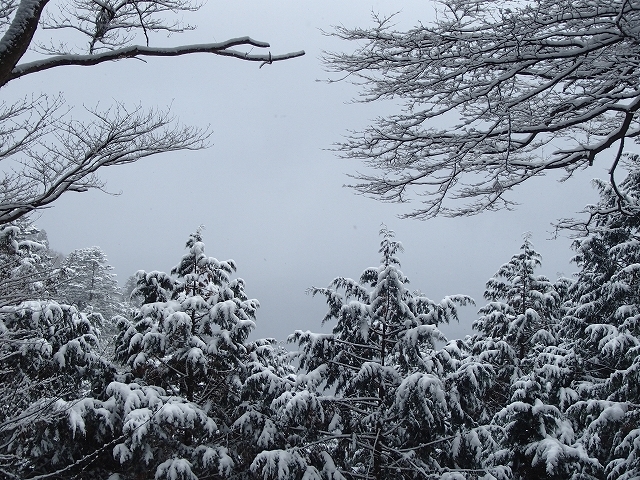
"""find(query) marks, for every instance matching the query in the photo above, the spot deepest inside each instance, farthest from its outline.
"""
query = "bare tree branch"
(222, 48)
(115, 137)
(110, 24)
(45, 151)
(484, 89)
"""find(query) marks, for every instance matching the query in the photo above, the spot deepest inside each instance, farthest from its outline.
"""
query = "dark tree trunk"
(18, 36)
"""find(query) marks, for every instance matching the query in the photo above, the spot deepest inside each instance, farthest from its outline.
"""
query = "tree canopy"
(492, 94)
(546, 388)
(48, 152)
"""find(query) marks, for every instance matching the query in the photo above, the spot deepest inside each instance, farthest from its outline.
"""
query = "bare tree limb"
(222, 48)
(45, 151)
(115, 137)
(484, 89)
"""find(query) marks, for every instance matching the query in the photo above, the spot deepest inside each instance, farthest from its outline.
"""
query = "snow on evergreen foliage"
(270, 375)
(91, 285)
(188, 405)
(189, 338)
(523, 316)
(50, 360)
(566, 392)
(27, 270)
(519, 338)
(602, 331)
(164, 434)
(546, 389)
(538, 439)
(189, 335)
(370, 401)
(525, 308)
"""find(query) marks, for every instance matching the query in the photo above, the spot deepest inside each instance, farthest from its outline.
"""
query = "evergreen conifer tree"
(602, 330)
(50, 361)
(27, 266)
(523, 316)
(519, 334)
(91, 285)
(189, 340)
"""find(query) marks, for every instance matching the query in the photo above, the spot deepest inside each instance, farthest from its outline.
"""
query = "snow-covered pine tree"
(92, 285)
(468, 383)
(538, 439)
(270, 375)
(191, 330)
(518, 335)
(370, 401)
(27, 267)
(50, 360)
(602, 330)
(523, 316)
(189, 338)
(163, 436)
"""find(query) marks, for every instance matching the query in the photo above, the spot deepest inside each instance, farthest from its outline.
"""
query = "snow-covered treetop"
(91, 285)
(378, 316)
(203, 275)
(389, 247)
(516, 284)
(27, 268)
(191, 325)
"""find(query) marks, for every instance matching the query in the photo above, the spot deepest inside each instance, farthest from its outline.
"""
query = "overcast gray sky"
(269, 191)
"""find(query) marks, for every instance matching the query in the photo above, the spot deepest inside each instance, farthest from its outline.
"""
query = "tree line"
(545, 387)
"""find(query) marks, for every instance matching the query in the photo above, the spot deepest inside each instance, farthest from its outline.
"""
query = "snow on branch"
(491, 96)
(116, 136)
(134, 51)
(45, 152)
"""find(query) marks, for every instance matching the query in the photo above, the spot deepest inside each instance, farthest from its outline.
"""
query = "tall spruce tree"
(50, 361)
(602, 330)
(92, 285)
(371, 402)
(27, 266)
(190, 340)
(523, 314)
(518, 331)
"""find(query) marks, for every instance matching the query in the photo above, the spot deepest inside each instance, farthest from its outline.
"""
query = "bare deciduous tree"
(45, 152)
(526, 87)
